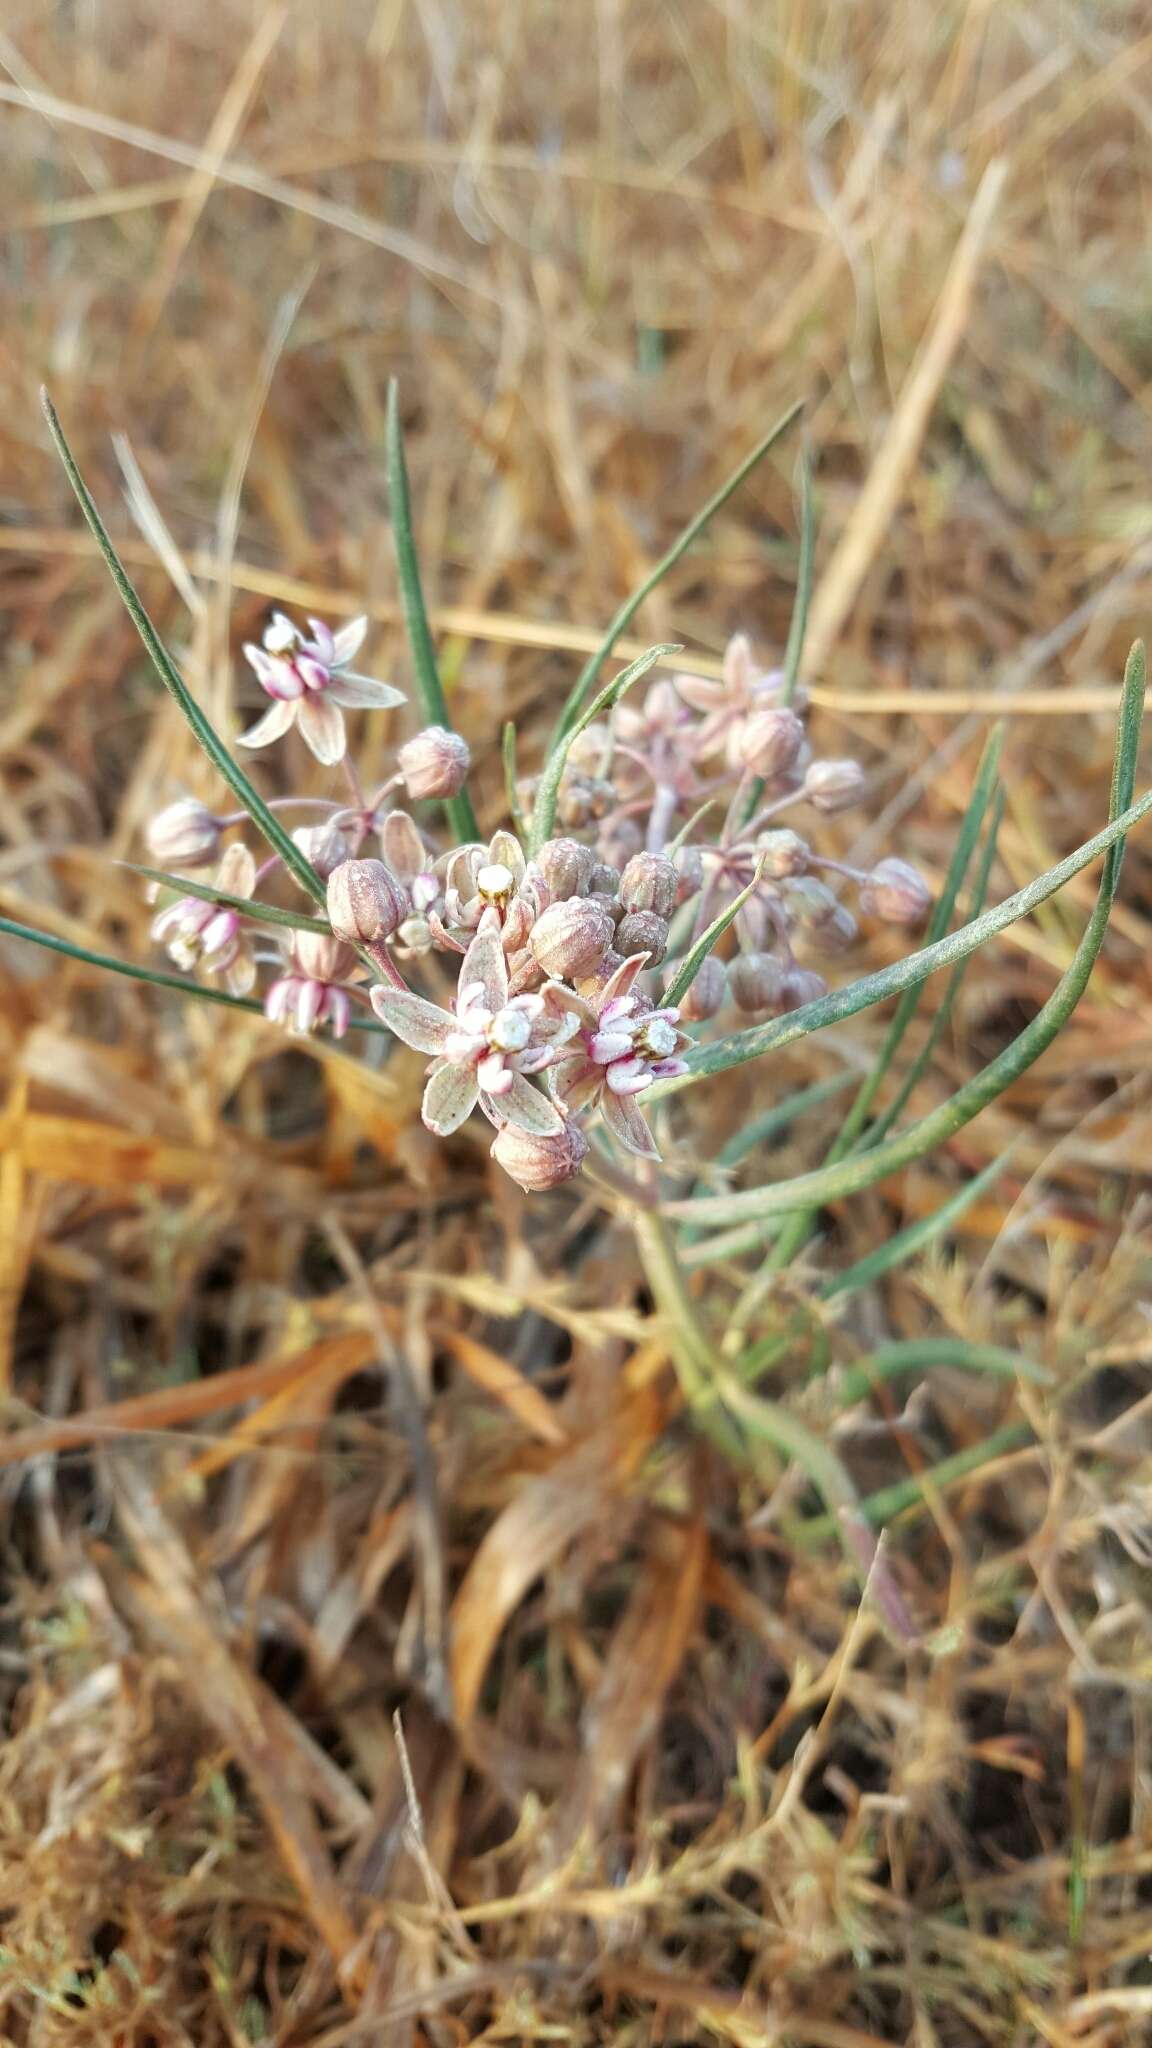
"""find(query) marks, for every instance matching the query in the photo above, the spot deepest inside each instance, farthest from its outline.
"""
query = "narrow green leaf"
(798, 624)
(586, 680)
(461, 816)
(548, 787)
(880, 1508)
(694, 959)
(511, 797)
(260, 913)
(907, 1242)
(850, 1175)
(265, 819)
(920, 1354)
(9, 928)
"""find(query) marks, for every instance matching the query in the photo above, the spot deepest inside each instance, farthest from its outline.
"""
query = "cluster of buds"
(550, 1023)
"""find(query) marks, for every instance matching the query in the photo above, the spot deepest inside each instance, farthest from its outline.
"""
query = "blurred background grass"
(670, 1785)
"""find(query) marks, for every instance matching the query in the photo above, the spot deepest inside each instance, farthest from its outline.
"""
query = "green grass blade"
(586, 680)
(850, 1175)
(109, 964)
(260, 913)
(751, 1044)
(798, 624)
(694, 959)
(880, 1508)
(906, 1243)
(548, 787)
(511, 797)
(173, 681)
(921, 1354)
(429, 689)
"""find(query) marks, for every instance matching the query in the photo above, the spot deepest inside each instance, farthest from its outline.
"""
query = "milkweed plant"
(658, 909)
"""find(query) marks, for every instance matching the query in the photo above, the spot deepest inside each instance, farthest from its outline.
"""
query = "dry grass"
(316, 1432)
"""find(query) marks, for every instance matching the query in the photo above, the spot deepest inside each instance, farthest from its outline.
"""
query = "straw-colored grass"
(384, 1659)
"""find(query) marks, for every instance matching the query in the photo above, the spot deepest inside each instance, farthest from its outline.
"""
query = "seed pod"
(538, 1163)
(649, 882)
(567, 868)
(757, 980)
(896, 893)
(186, 835)
(707, 993)
(643, 931)
(365, 901)
(783, 853)
(569, 938)
(770, 741)
(320, 958)
(834, 785)
(801, 986)
(324, 846)
(434, 762)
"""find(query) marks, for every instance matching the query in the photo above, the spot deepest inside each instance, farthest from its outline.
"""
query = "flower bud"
(810, 902)
(186, 835)
(604, 880)
(801, 986)
(757, 981)
(325, 846)
(591, 748)
(770, 741)
(643, 931)
(832, 934)
(566, 866)
(536, 1162)
(649, 882)
(783, 853)
(834, 785)
(434, 762)
(570, 938)
(595, 980)
(583, 797)
(320, 958)
(365, 901)
(688, 862)
(896, 893)
(707, 993)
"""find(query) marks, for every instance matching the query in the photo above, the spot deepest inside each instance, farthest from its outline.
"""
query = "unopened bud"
(324, 846)
(186, 835)
(801, 986)
(757, 981)
(582, 798)
(567, 867)
(707, 993)
(770, 741)
(568, 939)
(320, 958)
(896, 893)
(365, 901)
(538, 1162)
(834, 785)
(689, 864)
(649, 882)
(434, 762)
(809, 902)
(834, 933)
(604, 880)
(643, 931)
(783, 853)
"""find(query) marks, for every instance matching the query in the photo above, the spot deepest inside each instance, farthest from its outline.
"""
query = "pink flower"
(621, 1047)
(312, 992)
(485, 1047)
(308, 681)
(727, 700)
(410, 861)
(196, 933)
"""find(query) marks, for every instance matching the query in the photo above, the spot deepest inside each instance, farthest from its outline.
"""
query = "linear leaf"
(906, 1243)
(694, 959)
(548, 787)
(260, 913)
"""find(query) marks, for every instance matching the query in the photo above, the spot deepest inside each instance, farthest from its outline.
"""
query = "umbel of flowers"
(670, 809)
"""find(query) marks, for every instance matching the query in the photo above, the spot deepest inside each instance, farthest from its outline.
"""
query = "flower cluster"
(668, 811)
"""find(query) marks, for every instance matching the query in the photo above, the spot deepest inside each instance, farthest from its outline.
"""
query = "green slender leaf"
(548, 787)
(798, 624)
(511, 796)
(906, 1243)
(704, 1061)
(920, 1354)
(265, 819)
(9, 928)
(850, 1175)
(586, 680)
(694, 959)
(880, 1508)
(260, 913)
(892, 1111)
(730, 1243)
(461, 816)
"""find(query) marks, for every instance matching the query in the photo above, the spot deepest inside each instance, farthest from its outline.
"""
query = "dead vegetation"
(384, 1658)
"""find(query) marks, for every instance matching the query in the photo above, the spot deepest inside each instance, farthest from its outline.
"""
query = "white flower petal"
(450, 1096)
(485, 962)
(236, 874)
(322, 728)
(348, 640)
(627, 1124)
(529, 1110)
(420, 1024)
(363, 693)
(274, 724)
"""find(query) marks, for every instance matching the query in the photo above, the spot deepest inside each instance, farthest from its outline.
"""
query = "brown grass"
(384, 1658)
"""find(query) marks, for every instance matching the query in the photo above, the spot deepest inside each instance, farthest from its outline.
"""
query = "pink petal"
(485, 962)
(338, 1010)
(281, 994)
(236, 874)
(347, 640)
(610, 1045)
(533, 1059)
(309, 1001)
(492, 1075)
(277, 677)
(620, 983)
(420, 1024)
(403, 849)
(315, 673)
(627, 1124)
(628, 1077)
(525, 1107)
(272, 726)
(450, 1096)
(322, 727)
(323, 642)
